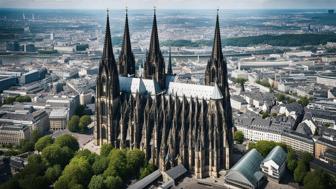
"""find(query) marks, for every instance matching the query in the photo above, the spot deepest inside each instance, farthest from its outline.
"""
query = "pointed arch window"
(103, 86)
(213, 75)
(103, 109)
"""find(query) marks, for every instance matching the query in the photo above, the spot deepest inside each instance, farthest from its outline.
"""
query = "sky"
(170, 4)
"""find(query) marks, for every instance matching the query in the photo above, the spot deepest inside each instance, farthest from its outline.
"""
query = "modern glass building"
(275, 163)
(246, 172)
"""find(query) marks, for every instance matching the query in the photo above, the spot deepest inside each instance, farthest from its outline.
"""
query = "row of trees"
(304, 101)
(79, 124)
(112, 169)
(285, 99)
(59, 164)
(264, 83)
(264, 147)
(44, 168)
(300, 168)
(11, 100)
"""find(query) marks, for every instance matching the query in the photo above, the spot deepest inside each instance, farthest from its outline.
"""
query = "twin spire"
(217, 44)
(108, 50)
(154, 47)
(127, 57)
(126, 45)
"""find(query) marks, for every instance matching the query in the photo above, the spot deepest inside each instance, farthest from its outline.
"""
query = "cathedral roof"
(216, 93)
(133, 85)
(190, 90)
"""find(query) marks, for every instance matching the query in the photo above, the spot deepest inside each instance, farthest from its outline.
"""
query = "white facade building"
(274, 164)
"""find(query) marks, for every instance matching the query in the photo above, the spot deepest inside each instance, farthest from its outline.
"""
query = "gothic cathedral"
(172, 122)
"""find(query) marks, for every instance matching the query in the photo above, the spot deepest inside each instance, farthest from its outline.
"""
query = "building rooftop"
(238, 99)
(134, 85)
(13, 127)
(59, 113)
(176, 171)
(192, 90)
(247, 169)
(146, 181)
(278, 155)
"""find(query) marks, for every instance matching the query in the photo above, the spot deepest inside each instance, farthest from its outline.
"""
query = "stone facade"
(171, 126)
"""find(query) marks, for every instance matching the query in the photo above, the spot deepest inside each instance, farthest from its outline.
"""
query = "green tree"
(11, 184)
(264, 147)
(52, 173)
(76, 174)
(35, 135)
(113, 182)
(33, 182)
(146, 170)
(105, 149)
(304, 101)
(240, 81)
(80, 110)
(43, 142)
(54, 154)
(300, 171)
(67, 140)
(239, 136)
(318, 179)
(9, 100)
(281, 97)
(265, 115)
(118, 164)
(307, 158)
(73, 124)
(97, 182)
(135, 160)
(23, 99)
(100, 165)
(35, 167)
(91, 157)
(264, 83)
(84, 121)
(291, 160)
(26, 145)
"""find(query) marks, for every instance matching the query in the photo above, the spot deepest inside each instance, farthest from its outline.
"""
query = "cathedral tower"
(154, 67)
(126, 57)
(107, 93)
(216, 73)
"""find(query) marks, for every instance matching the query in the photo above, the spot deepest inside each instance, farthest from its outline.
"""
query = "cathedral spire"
(109, 61)
(154, 47)
(108, 50)
(217, 44)
(154, 67)
(170, 69)
(126, 58)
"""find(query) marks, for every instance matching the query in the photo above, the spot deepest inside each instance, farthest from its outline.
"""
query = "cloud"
(170, 4)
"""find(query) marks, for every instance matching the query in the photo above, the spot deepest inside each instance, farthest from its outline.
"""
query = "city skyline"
(168, 4)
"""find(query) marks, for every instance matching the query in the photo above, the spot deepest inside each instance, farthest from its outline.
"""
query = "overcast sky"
(171, 4)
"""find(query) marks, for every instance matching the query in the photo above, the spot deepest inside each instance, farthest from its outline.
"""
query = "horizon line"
(25, 8)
